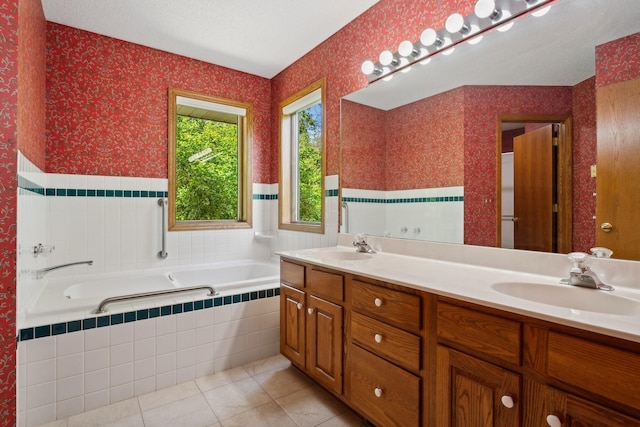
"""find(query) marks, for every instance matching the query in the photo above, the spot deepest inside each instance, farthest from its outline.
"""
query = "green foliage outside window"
(310, 164)
(206, 170)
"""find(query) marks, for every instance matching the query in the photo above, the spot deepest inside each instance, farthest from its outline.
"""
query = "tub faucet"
(360, 242)
(581, 275)
(43, 271)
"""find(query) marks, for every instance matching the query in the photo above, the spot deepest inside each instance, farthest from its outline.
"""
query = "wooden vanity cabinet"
(311, 322)
(385, 359)
(547, 406)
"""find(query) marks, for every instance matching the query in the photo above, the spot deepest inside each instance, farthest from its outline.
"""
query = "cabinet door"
(474, 393)
(324, 342)
(545, 406)
(292, 325)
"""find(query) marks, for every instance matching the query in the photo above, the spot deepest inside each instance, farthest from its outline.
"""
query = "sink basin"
(572, 297)
(344, 255)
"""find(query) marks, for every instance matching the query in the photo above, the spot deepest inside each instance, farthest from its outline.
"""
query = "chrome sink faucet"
(43, 271)
(581, 275)
(360, 242)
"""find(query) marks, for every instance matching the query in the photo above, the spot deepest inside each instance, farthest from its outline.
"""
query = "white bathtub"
(62, 300)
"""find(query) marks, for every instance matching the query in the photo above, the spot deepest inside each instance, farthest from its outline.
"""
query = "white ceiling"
(260, 37)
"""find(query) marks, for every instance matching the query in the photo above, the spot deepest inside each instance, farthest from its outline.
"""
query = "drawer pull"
(299, 306)
(378, 392)
(507, 401)
(553, 421)
(378, 338)
(310, 310)
(378, 302)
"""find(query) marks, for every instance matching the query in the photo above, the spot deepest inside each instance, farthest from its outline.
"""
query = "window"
(302, 164)
(209, 162)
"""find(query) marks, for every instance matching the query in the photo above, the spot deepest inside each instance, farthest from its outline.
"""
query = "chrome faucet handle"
(360, 239)
(580, 260)
(600, 252)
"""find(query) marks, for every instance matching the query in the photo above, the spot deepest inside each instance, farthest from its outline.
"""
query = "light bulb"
(367, 67)
(487, 9)
(455, 24)
(429, 37)
(386, 58)
(406, 49)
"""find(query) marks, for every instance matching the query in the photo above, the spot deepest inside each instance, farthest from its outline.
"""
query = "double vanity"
(427, 334)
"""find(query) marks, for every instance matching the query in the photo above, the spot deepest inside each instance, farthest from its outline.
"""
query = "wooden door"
(534, 185)
(292, 325)
(618, 177)
(324, 342)
(474, 393)
(543, 405)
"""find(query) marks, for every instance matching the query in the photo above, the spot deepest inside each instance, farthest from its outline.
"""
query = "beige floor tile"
(167, 395)
(59, 423)
(269, 364)
(348, 419)
(268, 415)
(222, 378)
(194, 411)
(279, 383)
(237, 397)
(311, 406)
(105, 415)
(132, 421)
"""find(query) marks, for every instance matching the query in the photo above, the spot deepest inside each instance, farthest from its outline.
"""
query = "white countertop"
(474, 283)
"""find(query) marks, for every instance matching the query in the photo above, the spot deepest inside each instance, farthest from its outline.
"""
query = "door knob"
(606, 227)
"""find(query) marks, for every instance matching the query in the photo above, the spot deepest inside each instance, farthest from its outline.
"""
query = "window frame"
(286, 199)
(245, 190)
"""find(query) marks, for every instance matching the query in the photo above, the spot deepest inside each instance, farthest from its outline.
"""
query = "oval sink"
(572, 297)
(343, 255)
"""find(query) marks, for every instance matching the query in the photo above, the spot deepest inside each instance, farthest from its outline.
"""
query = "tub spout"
(43, 271)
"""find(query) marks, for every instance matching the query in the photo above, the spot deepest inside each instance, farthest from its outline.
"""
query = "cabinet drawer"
(327, 284)
(292, 274)
(601, 369)
(388, 395)
(386, 341)
(388, 305)
(478, 332)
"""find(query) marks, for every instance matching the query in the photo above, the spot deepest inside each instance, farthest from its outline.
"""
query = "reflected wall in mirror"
(452, 143)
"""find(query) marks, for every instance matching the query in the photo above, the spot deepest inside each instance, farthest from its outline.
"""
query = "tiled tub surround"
(74, 366)
(433, 214)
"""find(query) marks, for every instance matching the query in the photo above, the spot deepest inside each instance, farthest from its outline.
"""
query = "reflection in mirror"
(542, 66)
(209, 180)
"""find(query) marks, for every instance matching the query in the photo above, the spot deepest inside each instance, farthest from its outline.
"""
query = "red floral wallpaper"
(584, 155)
(31, 69)
(618, 61)
(107, 104)
(363, 142)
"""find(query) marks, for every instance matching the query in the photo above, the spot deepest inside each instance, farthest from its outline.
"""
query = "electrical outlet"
(593, 171)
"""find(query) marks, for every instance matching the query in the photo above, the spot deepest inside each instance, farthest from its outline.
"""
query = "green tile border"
(44, 331)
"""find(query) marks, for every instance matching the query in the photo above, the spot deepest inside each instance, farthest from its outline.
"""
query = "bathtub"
(62, 300)
(78, 360)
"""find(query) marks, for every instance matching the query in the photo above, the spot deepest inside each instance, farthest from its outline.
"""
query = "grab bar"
(129, 297)
(345, 206)
(163, 205)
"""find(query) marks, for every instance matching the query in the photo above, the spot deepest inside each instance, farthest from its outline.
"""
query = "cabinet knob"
(310, 310)
(377, 302)
(378, 392)
(378, 338)
(507, 401)
(299, 306)
(606, 227)
(553, 421)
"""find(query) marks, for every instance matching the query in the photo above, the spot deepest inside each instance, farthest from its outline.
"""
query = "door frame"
(565, 168)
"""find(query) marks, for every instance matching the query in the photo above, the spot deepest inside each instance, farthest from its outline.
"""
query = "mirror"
(423, 145)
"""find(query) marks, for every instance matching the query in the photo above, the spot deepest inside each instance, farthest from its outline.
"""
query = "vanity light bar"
(488, 14)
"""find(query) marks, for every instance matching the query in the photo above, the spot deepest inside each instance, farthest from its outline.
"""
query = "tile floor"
(265, 393)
